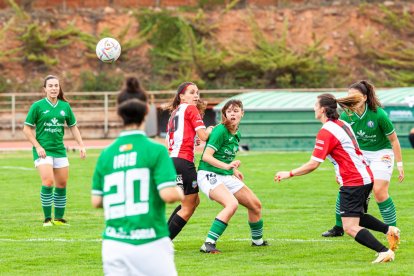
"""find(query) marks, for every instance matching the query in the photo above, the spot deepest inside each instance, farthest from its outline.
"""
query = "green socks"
(388, 213)
(59, 197)
(46, 198)
(256, 229)
(338, 219)
(216, 230)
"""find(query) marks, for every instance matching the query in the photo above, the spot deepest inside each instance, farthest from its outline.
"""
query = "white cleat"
(384, 257)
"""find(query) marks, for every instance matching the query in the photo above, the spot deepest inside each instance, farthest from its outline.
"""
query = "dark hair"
(175, 102)
(367, 89)
(61, 95)
(330, 104)
(132, 90)
(132, 111)
(224, 120)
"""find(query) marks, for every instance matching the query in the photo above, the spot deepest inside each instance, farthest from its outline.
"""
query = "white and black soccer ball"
(108, 50)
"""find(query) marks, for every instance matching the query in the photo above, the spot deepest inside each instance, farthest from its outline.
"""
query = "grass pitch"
(295, 214)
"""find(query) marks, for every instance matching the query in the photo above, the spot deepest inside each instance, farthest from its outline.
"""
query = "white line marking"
(51, 240)
(17, 168)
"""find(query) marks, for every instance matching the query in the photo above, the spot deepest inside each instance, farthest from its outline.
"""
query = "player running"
(48, 116)
(184, 125)
(379, 143)
(133, 178)
(221, 181)
(336, 141)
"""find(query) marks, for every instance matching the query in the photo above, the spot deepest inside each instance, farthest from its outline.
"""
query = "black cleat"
(47, 222)
(264, 243)
(336, 231)
(210, 248)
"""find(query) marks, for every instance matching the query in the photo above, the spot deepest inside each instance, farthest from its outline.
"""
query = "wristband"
(399, 164)
(291, 174)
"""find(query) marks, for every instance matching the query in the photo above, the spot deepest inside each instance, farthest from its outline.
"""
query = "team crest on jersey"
(370, 124)
(194, 184)
(62, 112)
(126, 147)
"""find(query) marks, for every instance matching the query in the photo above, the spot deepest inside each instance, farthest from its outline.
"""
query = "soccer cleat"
(393, 237)
(210, 248)
(384, 257)
(264, 243)
(60, 222)
(47, 222)
(336, 231)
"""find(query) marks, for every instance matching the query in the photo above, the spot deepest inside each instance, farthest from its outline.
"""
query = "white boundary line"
(17, 168)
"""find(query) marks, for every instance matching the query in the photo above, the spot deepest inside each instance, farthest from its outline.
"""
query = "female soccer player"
(379, 143)
(133, 179)
(184, 125)
(336, 141)
(48, 117)
(222, 182)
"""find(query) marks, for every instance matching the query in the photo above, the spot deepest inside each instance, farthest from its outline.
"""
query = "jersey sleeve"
(70, 118)
(164, 171)
(97, 179)
(194, 117)
(324, 144)
(384, 122)
(32, 116)
(217, 137)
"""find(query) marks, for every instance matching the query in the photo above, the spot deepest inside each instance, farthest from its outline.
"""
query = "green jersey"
(49, 120)
(225, 145)
(129, 175)
(371, 128)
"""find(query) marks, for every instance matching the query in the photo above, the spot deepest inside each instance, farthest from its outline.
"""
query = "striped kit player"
(337, 142)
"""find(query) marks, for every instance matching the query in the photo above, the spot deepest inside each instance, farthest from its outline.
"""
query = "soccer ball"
(108, 49)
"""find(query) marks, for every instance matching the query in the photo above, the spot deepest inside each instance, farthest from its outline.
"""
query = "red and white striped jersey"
(181, 131)
(337, 141)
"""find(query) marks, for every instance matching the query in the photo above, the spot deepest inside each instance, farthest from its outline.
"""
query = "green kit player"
(379, 143)
(48, 117)
(221, 181)
(133, 179)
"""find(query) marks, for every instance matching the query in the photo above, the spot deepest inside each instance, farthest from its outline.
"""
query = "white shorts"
(153, 258)
(381, 163)
(208, 181)
(56, 162)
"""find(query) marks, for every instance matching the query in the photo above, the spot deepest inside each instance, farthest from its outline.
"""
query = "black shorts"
(353, 201)
(186, 175)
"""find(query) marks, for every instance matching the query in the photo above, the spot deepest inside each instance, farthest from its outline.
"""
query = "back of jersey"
(129, 175)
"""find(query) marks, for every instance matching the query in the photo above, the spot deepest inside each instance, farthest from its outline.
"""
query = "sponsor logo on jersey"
(54, 121)
(126, 147)
(370, 124)
(362, 135)
(231, 138)
(62, 113)
(46, 111)
(351, 123)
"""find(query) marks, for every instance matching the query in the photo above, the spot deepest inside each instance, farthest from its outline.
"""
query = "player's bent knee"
(47, 182)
